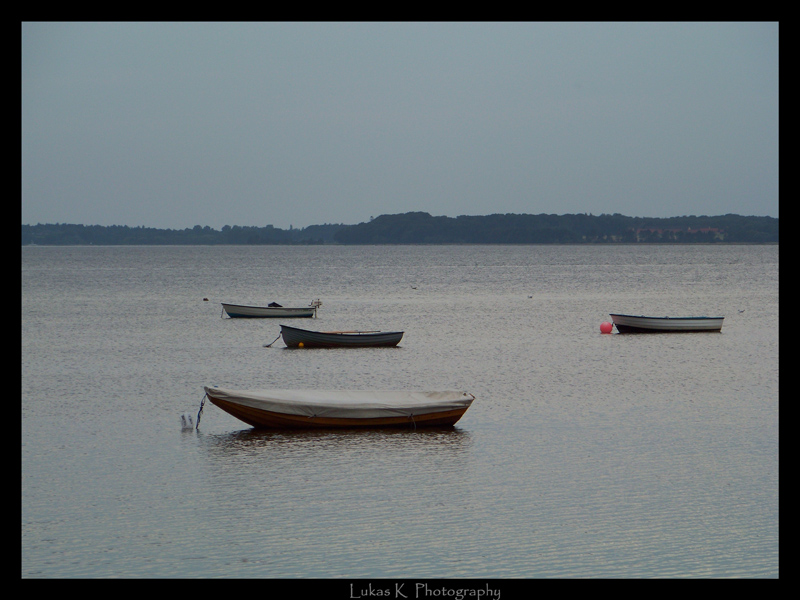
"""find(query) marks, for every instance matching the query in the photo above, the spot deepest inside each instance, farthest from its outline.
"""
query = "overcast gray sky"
(172, 125)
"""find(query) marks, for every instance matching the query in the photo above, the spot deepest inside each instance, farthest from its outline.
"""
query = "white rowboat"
(241, 311)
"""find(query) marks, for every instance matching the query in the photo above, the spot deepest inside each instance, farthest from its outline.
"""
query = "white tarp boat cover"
(359, 404)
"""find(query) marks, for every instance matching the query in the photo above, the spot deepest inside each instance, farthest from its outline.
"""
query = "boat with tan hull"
(304, 409)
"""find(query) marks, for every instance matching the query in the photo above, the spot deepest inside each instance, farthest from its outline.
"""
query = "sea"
(584, 455)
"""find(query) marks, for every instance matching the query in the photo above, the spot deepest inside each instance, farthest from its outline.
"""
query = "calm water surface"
(584, 455)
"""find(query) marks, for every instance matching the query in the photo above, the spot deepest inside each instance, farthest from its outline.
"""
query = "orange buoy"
(300, 345)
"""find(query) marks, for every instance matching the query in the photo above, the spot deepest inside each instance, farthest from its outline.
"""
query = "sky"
(172, 124)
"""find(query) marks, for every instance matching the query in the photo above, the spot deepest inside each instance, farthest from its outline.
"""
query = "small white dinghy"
(272, 310)
(303, 409)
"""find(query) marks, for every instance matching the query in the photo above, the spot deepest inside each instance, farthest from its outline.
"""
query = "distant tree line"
(62, 234)
(422, 228)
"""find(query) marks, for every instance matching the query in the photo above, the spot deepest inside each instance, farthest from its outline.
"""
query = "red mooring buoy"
(606, 327)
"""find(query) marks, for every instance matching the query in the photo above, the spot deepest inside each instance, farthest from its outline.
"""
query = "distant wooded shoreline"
(422, 228)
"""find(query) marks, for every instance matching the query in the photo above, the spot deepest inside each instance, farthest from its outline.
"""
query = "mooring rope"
(272, 342)
(202, 404)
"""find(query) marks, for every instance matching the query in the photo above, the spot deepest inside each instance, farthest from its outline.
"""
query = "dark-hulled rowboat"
(294, 337)
(642, 324)
(304, 409)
